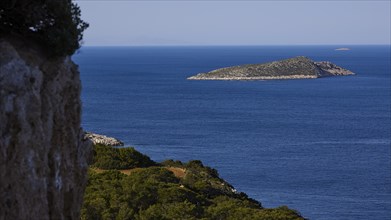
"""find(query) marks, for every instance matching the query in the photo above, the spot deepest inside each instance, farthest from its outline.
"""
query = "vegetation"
(107, 158)
(55, 24)
(169, 190)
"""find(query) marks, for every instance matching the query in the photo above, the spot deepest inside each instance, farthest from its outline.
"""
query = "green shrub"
(169, 211)
(55, 24)
(228, 208)
(106, 157)
(103, 198)
(172, 163)
(205, 180)
(153, 175)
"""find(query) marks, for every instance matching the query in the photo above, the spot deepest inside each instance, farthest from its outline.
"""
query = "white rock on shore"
(103, 139)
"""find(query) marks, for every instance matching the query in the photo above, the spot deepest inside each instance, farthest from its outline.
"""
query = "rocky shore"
(102, 139)
(252, 77)
(293, 68)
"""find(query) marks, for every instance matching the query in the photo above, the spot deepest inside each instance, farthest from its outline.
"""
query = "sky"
(201, 22)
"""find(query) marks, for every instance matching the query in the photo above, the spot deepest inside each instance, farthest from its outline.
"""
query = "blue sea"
(320, 146)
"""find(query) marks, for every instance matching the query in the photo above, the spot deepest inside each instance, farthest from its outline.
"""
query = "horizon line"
(233, 45)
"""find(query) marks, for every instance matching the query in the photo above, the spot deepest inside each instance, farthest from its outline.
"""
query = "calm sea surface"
(319, 146)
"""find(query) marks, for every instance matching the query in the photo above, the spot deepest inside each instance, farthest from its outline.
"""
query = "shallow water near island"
(320, 146)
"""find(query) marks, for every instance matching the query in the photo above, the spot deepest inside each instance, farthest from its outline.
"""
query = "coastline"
(197, 77)
(334, 100)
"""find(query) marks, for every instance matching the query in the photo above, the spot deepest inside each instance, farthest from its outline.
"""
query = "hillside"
(125, 184)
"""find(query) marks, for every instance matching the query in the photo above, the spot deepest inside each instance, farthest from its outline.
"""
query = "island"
(343, 48)
(293, 68)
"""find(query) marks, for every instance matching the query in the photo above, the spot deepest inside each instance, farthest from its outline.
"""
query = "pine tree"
(55, 24)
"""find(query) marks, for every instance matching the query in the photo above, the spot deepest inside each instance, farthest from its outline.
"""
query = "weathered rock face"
(43, 157)
(293, 68)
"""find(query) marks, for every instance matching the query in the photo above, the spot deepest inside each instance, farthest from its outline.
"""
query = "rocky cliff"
(293, 68)
(43, 157)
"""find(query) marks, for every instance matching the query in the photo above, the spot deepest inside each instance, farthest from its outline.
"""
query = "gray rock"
(43, 159)
(330, 69)
(293, 68)
(102, 139)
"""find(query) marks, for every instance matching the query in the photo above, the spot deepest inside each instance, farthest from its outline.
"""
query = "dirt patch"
(178, 172)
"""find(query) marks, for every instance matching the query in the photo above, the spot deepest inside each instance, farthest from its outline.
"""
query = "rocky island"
(294, 68)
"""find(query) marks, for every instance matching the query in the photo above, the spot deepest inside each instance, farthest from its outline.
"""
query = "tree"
(54, 24)
(106, 157)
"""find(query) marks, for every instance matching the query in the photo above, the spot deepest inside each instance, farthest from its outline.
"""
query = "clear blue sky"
(235, 22)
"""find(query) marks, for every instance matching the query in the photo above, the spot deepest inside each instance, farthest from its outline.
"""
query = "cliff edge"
(293, 68)
(43, 157)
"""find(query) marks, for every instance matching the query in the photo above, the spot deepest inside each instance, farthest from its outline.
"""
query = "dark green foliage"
(172, 163)
(169, 211)
(154, 175)
(106, 157)
(104, 197)
(155, 193)
(202, 178)
(111, 194)
(55, 24)
(229, 208)
(206, 180)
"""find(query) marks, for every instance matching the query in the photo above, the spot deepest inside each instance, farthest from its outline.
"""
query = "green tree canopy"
(106, 157)
(54, 24)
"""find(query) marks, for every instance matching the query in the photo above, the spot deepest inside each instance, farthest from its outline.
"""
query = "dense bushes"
(156, 193)
(106, 157)
(55, 24)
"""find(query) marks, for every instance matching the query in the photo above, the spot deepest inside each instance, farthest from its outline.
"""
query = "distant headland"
(343, 48)
(294, 68)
